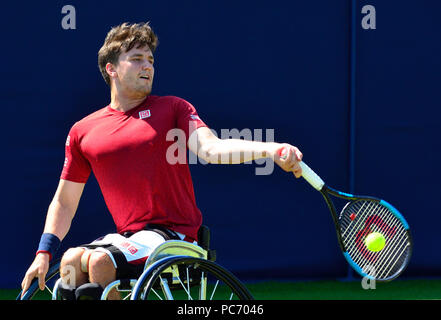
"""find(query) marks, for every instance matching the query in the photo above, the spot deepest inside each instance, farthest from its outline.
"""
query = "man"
(125, 144)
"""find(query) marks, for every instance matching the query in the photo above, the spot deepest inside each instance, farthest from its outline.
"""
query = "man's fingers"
(27, 282)
(41, 278)
(290, 157)
(283, 153)
(298, 154)
(41, 282)
(297, 173)
(38, 269)
(286, 155)
(297, 170)
(24, 287)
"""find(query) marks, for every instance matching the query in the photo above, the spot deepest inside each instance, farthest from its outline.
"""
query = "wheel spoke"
(214, 290)
(166, 289)
(203, 287)
(180, 281)
(188, 285)
(50, 291)
(154, 291)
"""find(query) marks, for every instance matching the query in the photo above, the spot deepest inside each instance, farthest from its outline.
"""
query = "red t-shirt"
(127, 153)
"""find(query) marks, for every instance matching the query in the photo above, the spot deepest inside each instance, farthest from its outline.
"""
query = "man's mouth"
(145, 77)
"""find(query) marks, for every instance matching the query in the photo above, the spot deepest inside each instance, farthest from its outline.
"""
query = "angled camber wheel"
(188, 278)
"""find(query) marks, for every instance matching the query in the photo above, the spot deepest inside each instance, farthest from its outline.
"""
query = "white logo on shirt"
(68, 141)
(144, 114)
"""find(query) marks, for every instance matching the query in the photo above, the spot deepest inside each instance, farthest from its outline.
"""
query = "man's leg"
(70, 268)
(103, 272)
(100, 270)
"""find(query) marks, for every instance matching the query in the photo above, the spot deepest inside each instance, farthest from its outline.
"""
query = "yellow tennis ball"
(375, 241)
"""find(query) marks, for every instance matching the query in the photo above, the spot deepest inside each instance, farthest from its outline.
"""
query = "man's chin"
(144, 91)
(148, 90)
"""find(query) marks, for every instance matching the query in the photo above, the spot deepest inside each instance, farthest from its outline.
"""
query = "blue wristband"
(49, 243)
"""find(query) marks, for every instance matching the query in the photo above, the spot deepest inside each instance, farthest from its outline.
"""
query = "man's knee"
(100, 262)
(70, 267)
(86, 260)
(72, 256)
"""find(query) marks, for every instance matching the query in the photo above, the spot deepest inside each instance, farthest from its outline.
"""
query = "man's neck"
(123, 103)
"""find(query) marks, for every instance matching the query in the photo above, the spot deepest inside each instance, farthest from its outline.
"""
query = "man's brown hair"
(124, 37)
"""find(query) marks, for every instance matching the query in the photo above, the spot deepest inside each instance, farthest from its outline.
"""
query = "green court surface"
(421, 289)
(347, 290)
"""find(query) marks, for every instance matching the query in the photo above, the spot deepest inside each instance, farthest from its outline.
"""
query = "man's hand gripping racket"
(364, 220)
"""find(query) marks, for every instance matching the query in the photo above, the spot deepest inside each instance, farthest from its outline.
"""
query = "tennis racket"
(360, 217)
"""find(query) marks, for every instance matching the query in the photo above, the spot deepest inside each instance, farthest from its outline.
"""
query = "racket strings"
(362, 217)
(362, 214)
(358, 222)
(371, 260)
(364, 225)
(354, 240)
(363, 221)
(394, 261)
(392, 254)
(385, 261)
(382, 264)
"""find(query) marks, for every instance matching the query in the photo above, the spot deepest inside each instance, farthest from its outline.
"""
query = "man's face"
(134, 72)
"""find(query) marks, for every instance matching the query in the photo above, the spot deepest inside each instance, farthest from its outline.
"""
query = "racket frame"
(315, 181)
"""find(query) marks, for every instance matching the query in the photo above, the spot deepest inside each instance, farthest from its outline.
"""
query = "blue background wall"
(282, 65)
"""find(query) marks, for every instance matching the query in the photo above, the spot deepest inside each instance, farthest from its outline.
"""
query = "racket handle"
(309, 175)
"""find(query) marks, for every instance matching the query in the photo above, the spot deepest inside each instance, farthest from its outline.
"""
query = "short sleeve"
(188, 119)
(76, 167)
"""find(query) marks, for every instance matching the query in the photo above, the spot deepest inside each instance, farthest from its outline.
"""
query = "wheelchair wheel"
(34, 291)
(188, 278)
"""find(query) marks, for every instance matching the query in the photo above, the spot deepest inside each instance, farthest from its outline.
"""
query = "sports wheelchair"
(176, 269)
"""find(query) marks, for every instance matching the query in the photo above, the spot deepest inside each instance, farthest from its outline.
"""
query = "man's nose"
(147, 65)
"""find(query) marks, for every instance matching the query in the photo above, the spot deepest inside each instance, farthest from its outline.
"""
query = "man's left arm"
(210, 148)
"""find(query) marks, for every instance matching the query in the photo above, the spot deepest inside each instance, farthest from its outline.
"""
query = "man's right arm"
(63, 207)
(58, 220)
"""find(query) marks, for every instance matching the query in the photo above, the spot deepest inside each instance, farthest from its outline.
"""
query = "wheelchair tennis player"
(126, 145)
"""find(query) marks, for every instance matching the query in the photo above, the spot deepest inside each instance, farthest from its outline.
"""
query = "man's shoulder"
(96, 114)
(168, 99)
(174, 104)
(90, 118)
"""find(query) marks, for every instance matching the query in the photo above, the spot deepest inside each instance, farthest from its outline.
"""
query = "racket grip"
(309, 175)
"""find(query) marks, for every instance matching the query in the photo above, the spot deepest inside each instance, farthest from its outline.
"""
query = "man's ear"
(110, 69)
